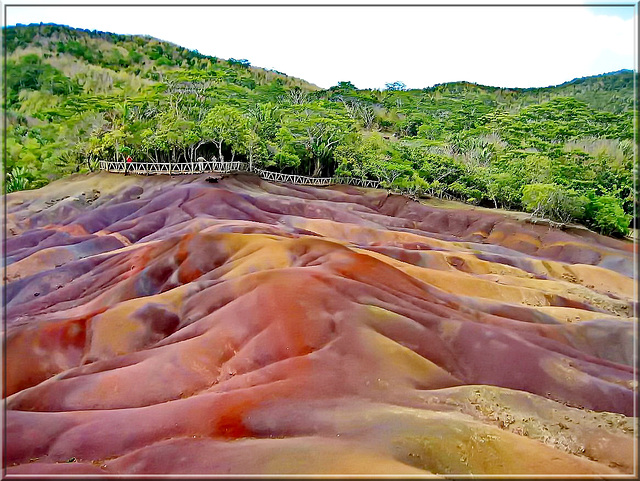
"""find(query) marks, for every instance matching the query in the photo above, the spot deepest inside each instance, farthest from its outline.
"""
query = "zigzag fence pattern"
(202, 165)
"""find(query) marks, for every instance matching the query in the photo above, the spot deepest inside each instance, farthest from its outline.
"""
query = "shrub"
(554, 201)
(607, 215)
(505, 189)
(286, 159)
(17, 180)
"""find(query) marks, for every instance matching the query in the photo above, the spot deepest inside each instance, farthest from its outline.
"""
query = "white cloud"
(502, 46)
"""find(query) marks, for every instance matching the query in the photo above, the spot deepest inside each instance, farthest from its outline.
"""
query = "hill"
(207, 325)
(76, 96)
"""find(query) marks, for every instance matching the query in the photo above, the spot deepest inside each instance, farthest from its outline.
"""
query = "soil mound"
(160, 325)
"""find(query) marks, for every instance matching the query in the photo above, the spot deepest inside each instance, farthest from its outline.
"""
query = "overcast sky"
(502, 45)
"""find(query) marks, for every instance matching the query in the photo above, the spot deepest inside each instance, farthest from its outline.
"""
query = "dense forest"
(74, 97)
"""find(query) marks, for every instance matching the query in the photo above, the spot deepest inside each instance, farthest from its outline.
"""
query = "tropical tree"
(397, 85)
(226, 125)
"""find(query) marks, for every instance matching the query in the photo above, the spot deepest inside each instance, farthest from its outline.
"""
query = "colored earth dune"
(227, 325)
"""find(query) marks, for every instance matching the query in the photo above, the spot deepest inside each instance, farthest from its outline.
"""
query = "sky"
(506, 45)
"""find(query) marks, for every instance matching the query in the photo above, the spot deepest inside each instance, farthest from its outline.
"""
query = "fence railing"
(150, 168)
(295, 179)
(202, 165)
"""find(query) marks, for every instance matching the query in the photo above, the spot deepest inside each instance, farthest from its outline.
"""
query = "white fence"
(202, 165)
(150, 168)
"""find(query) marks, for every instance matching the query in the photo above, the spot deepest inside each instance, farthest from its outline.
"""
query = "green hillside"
(75, 96)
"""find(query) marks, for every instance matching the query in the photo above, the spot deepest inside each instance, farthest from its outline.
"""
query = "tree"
(265, 118)
(243, 62)
(388, 170)
(256, 148)
(316, 130)
(225, 125)
(361, 158)
(360, 111)
(504, 189)
(343, 87)
(397, 85)
(553, 201)
(286, 155)
(320, 136)
(607, 215)
(296, 96)
(168, 137)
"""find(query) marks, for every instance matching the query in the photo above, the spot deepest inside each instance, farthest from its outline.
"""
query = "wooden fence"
(202, 165)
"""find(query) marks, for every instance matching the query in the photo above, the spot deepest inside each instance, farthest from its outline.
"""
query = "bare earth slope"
(175, 325)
